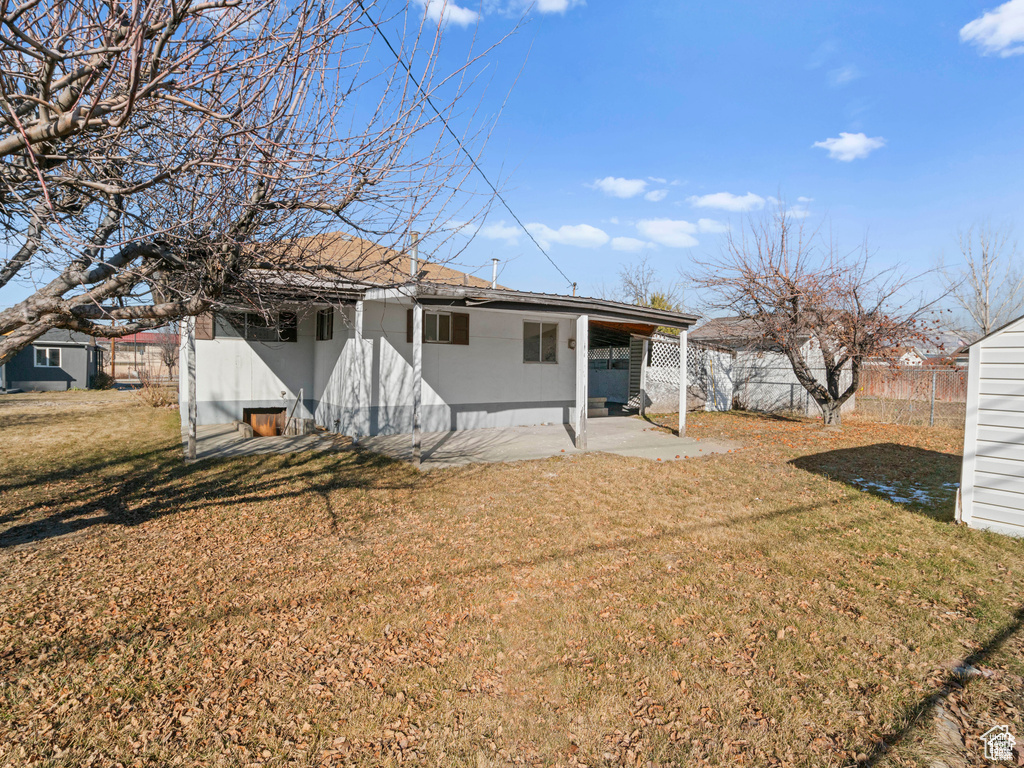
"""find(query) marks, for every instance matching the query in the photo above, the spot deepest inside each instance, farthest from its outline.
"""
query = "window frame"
(48, 350)
(325, 325)
(286, 323)
(438, 315)
(540, 343)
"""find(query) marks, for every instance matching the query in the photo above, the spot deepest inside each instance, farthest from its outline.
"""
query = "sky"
(651, 128)
(648, 129)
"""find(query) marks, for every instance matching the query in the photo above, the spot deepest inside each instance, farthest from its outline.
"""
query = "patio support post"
(190, 372)
(682, 382)
(358, 321)
(643, 377)
(417, 381)
(582, 374)
(356, 394)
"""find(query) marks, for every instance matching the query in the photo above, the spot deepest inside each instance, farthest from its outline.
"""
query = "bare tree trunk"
(831, 414)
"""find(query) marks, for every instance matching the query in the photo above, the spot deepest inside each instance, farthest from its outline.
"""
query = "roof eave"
(599, 309)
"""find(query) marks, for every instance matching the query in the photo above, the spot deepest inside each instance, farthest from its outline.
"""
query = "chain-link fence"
(913, 395)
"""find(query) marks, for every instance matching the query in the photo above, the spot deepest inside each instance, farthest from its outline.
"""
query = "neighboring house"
(389, 350)
(958, 358)
(992, 478)
(146, 353)
(57, 360)
(910, 357)
(761, 376)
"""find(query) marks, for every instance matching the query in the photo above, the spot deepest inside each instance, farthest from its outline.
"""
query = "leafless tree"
(987, 287)
(167, 345)
(156, 157)
(826, 311)
(640, 284)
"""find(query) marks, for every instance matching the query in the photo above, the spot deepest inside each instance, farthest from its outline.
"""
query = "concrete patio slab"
(623, 435)
(215, 441)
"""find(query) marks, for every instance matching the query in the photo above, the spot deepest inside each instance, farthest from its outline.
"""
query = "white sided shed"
(992, 479)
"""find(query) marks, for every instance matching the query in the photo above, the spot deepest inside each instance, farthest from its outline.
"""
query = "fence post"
(931, 421)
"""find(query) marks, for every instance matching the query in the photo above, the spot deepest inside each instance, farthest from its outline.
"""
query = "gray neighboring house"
(761, 377)
(57, 360)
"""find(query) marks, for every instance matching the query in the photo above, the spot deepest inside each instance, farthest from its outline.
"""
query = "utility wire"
(458, 141)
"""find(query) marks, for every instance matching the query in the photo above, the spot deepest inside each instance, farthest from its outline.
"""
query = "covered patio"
(606, 325)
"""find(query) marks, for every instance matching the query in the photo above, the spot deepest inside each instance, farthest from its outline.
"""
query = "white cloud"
(618, 187)
(713, 226)
(656, 195)
(579, 235)
(501, 231)
(726, 201)
(555, 6)
(850, 146)
(803, 199)
(657, 180)
(670, 232)
(999, 32)
(448, 12)
(843, 75)
(630, 244)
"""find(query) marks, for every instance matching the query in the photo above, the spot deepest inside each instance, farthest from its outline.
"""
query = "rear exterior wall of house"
(363, 386)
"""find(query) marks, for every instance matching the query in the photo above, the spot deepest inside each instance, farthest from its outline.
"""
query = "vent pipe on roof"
(414, 254)
(494, 273)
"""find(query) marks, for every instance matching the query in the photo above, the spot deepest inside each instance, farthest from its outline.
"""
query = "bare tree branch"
(988, 286)
(153, 155)
(808, 300)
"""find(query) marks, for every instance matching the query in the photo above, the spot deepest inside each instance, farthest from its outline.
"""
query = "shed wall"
(992, 486)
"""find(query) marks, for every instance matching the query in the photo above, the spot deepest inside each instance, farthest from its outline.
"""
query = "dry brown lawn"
(752, 608)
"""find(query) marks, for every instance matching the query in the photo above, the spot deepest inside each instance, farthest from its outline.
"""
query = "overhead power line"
(458, 141)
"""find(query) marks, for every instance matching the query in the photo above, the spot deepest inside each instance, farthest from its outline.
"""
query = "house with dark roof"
(377, 341)
(57, 360)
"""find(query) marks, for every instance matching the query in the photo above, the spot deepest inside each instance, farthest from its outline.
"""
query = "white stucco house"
(409, 346)
(992, 476)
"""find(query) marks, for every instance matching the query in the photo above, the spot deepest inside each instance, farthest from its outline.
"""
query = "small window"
(325, 325)
(260, 328)
(47, 357)
(229, 325)
(437, 327)
(253, 326)
(540, 342)
(288, 326)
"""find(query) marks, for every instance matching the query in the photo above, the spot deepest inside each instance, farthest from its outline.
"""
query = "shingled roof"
(370, 264)
(733, 333)
(728, 331)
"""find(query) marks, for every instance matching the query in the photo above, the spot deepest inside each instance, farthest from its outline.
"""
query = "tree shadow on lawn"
(922, 479)
(917, 716)
(363, 592)
(138, 487)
